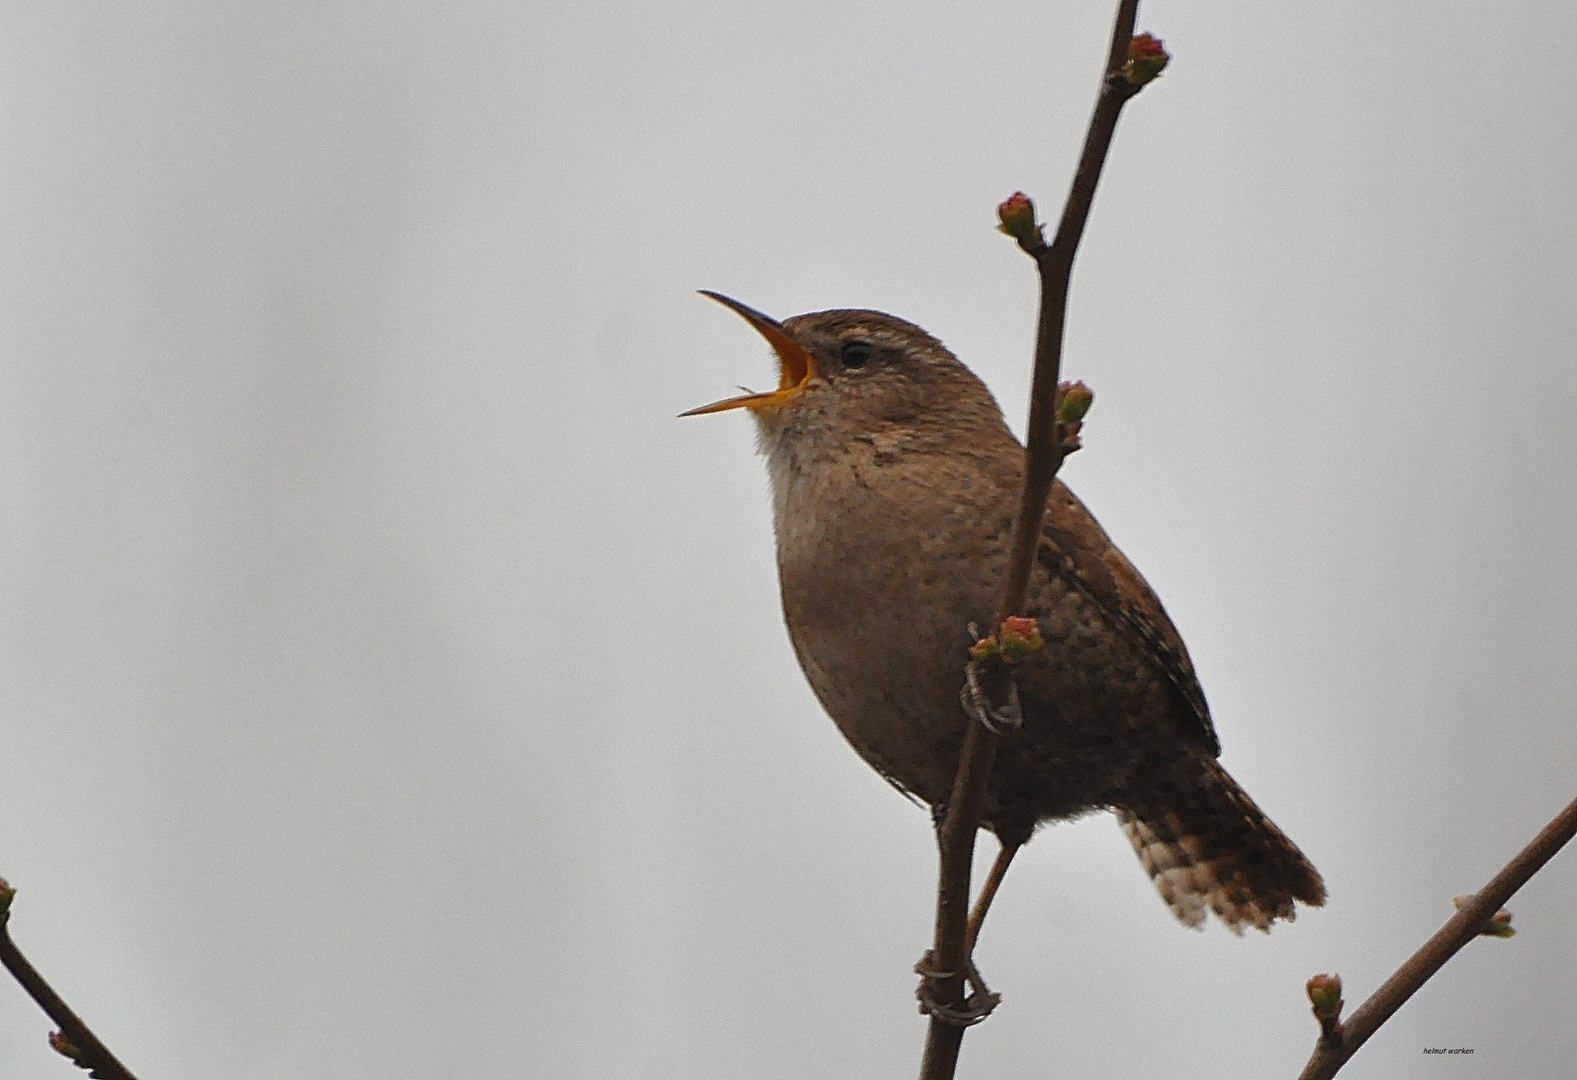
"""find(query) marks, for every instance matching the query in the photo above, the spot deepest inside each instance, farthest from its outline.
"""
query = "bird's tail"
(1204, 843)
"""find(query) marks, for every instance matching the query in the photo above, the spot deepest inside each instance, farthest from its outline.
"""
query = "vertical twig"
(1329, 1056)
(1043, 457)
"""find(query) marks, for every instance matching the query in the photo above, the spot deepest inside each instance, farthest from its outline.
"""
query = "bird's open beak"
(797, 365)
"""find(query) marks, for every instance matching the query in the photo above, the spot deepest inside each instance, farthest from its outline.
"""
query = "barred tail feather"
(1205, 844)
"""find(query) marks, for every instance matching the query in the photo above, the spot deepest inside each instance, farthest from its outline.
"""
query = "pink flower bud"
(1017, 216)
(1147, 58)
(1020, 638)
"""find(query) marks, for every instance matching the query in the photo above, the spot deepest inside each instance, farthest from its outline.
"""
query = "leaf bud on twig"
(1017, 638)
(1147, 58)
(1017, 217)
(1325, 992)
(1020, 638)
(66, 1048)
(1499, 923)
(1073, 401)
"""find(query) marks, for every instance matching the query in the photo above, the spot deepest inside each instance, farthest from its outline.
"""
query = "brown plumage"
(894, 483)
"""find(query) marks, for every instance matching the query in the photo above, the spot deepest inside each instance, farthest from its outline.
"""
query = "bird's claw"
(977, 703)
(978, 1005)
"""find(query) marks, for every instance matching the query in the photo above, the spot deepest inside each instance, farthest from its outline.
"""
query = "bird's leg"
(978, 1005)
(988, 893)
(981, 1001)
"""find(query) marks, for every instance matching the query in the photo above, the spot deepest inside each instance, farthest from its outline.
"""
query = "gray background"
(394, 688)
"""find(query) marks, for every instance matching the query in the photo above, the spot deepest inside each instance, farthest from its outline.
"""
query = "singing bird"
(894, 487)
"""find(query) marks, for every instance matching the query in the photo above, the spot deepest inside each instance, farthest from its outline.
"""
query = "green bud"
(1017, 217)
(1499, 923)
(1073, 401)
(1325, 992)
(985, 649)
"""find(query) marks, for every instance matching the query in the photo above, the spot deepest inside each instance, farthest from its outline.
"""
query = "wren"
(894, 487)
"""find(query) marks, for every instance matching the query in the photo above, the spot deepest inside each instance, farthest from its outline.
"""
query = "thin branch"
(78, 1043)
(949, 958)
(1469, 922)
(1043, 455)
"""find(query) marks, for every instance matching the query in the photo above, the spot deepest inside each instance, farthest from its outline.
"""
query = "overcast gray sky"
(395, 688)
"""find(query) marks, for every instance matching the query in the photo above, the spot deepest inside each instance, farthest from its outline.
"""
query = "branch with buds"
(1056, 414)
(1480, 915)
(73, 1040)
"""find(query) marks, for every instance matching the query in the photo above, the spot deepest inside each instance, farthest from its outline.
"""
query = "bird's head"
(847, 373)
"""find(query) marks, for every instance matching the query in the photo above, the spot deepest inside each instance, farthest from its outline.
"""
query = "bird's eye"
(857, 353)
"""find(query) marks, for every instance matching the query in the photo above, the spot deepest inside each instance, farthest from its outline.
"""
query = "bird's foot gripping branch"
(976, 1007)
(990, 696)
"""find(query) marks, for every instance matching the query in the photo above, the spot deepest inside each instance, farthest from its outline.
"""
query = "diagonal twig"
(74, 1039)
(1470, 921)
